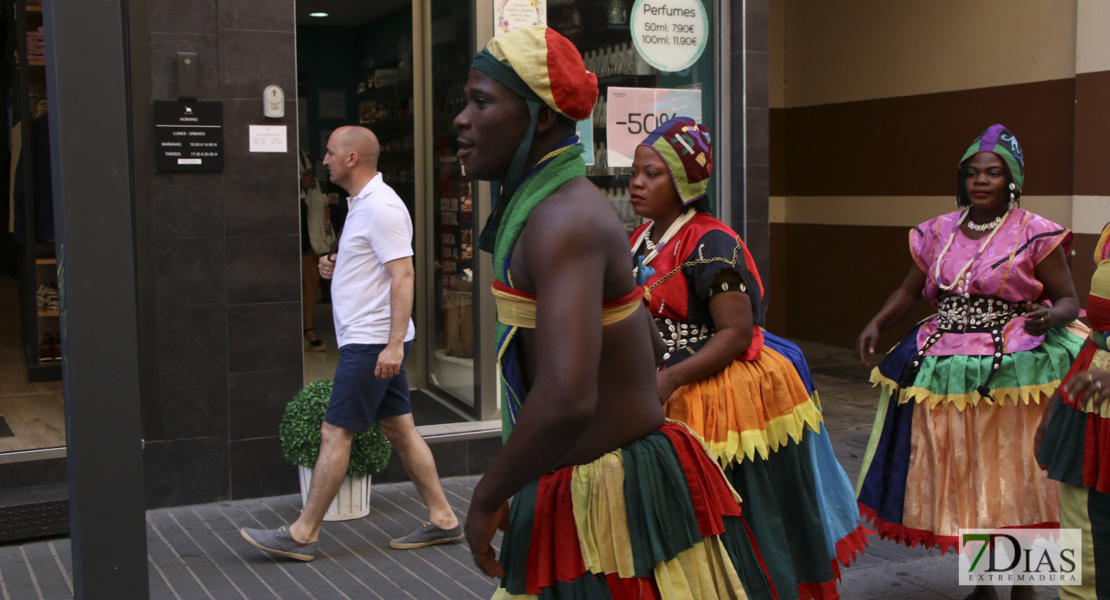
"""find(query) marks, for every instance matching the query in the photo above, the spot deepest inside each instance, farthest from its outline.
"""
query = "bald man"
(372, 295)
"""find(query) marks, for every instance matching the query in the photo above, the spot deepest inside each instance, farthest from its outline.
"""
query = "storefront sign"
(188, 136)
(511, 14)
(268, 138)
(634, 112)
(670, 34)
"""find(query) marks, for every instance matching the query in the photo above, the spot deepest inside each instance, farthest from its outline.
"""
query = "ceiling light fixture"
(318, 14)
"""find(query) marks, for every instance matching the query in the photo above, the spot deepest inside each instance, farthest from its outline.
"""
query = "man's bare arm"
(402, 283)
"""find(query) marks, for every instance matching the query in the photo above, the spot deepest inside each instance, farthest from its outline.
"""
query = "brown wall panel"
(777, 151)
(910, 145)
(774, 282)
(838, 277)
(1083, 265)
(1092, 129)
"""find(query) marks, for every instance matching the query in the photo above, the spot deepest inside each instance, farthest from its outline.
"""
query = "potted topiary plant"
(300, 443)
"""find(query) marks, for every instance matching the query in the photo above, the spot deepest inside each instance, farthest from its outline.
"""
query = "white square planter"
(352, 501)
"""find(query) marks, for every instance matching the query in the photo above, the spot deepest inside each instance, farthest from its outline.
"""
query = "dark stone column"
(91, 157)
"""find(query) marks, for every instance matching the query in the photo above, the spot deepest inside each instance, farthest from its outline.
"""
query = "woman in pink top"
(963, 393)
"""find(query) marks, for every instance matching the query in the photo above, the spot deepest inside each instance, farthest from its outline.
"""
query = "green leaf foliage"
(300, 434)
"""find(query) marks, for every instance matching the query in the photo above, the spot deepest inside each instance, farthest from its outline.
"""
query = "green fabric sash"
(552, 172)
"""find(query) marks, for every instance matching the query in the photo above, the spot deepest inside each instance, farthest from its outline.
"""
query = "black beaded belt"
(976, 314)
(958, 313)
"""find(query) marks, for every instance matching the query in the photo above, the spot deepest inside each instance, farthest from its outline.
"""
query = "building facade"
(873, 104)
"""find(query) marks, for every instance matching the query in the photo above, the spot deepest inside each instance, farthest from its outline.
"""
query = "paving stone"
(16, 573)
(874, 583)
(53, 581)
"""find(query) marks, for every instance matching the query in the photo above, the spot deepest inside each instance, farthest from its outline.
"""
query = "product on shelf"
(46, 298)
(48, 349)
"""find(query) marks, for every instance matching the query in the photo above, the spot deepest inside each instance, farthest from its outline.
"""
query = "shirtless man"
(578, 378)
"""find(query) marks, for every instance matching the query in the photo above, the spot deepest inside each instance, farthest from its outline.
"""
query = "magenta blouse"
(1006, 269)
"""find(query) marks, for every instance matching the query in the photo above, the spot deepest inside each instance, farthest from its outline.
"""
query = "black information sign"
(188, 136)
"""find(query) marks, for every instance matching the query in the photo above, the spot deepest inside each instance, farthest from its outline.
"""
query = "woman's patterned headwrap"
(686, 149)
(1001, 141)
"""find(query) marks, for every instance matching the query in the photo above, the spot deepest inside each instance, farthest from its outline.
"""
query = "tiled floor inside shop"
(31, 414)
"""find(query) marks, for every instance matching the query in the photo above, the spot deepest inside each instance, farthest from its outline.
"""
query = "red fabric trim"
(1090, 450)
(573, 88)
(1081, 364)
(825, 590)
(1101, 480)
(759, 557)
(847, 550)
(635, 295)
(905, 535)
(852, 546)
(755, 349)
(913, 537)
(1098, 312)
(554, 550)
(633, 588)
(501, 287)
(710, 493)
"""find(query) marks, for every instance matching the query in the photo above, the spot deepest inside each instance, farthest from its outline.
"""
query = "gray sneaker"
(429, 534)
(279, 541)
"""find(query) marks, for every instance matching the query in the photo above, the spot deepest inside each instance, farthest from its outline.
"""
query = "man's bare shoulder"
(576, 210)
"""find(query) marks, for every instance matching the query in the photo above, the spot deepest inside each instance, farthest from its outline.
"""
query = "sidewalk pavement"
(196, 552)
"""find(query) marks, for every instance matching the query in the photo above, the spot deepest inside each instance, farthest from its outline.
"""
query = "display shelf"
(47, 371)
(389, 91)
(628, 80)
(594, 38)
(27, 88)
(390, 127)
(611, 177)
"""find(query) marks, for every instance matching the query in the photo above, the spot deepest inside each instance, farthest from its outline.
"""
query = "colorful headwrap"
(1001, 141)
(543, 67)
(686, 149)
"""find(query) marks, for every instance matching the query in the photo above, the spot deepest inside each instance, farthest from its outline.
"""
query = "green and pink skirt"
(942, 457)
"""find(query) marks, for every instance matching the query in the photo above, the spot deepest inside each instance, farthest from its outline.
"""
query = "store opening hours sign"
(633, 113)
(670, 34)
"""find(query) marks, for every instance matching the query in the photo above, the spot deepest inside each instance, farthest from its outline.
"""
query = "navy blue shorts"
(358, 398)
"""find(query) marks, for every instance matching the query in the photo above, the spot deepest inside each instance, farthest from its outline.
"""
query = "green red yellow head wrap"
(543, 67)
(686, 149)
(547, 64)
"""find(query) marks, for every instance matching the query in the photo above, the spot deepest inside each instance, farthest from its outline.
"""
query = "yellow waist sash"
(518, 309)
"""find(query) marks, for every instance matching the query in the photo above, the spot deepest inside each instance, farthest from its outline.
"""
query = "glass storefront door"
(451, 213)
(601, 31)
(453, 316)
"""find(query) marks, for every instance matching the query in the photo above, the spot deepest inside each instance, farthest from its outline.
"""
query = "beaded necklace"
(963, 271)
(654, 248)
(987, 226)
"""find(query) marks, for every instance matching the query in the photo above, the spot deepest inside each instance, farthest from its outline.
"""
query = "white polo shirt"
(377, 230)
